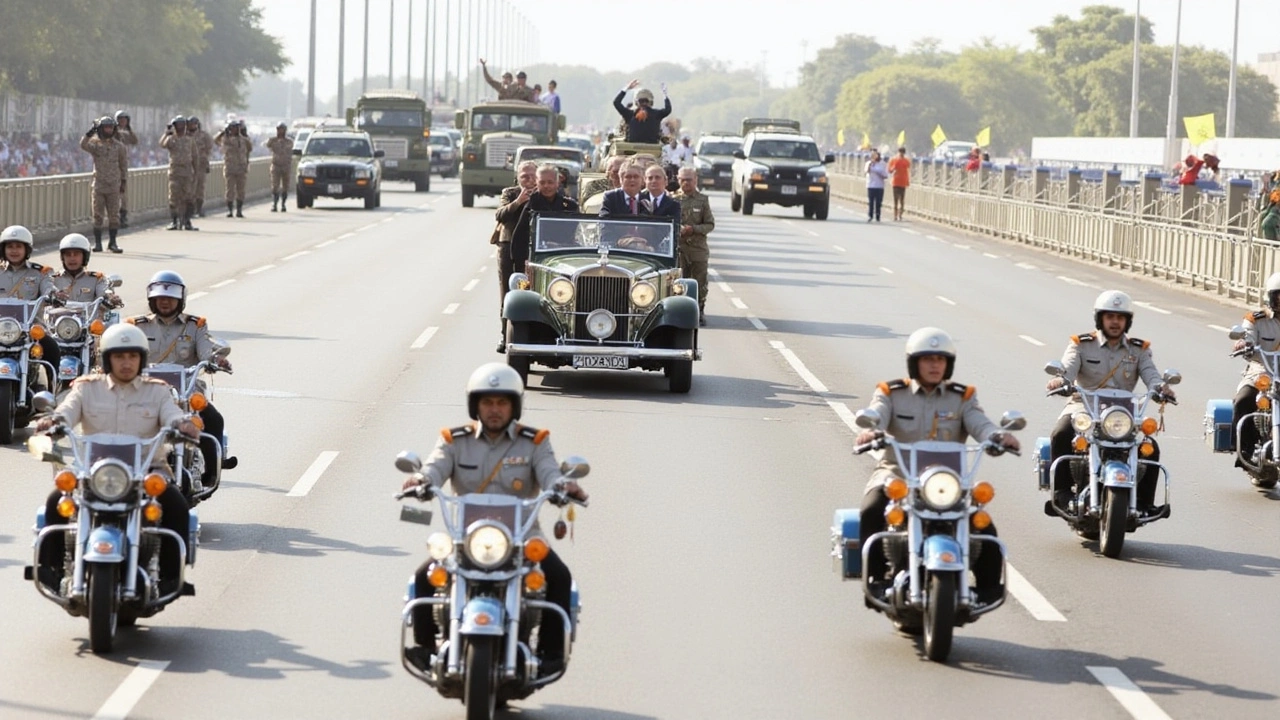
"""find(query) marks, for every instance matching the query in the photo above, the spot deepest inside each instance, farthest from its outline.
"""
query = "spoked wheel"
(6, 409)
(940, 616)
(1115, 517)
(102, 607)
(481, 689)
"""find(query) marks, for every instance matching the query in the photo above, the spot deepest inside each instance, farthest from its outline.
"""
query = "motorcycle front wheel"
(102, 607)
(480, 693)
(1115, 517)
(940, 616)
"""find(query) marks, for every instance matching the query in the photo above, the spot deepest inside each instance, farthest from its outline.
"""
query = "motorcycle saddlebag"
(1218, 433)
(846, 543)
(1042, 461)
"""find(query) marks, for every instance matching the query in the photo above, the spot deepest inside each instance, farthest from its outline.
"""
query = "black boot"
(111, 244)
(200, 207)
(284, 202)
(97, 239)
(239, 206)
(275, 202)
(186, 221)
(230, 209)
(174, 224)
(124, 218)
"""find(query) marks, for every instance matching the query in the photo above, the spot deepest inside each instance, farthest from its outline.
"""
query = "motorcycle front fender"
(943, 554)
(106, 544)
(1118, 474)
(10, 369)
(68, 368)
(483, 616)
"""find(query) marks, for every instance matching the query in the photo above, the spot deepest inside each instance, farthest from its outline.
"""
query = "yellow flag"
(984, 137)
(866, 141)
(1200, 128)
(902, 138)
(840, 137)
(938, 136)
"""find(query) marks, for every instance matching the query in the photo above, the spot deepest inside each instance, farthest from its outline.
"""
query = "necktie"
(632, 200)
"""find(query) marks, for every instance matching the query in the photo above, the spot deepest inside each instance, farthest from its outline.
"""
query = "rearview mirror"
(415, 515)
(739, 154)
(1012, 421)
(830, 158)
(43, 402)
(114, 281)
(1237, 332)
(575, 467)
(408, 462)
(379, 153)
(1172, 377)
(221, 350)
(867, 419)
(297, 151)
(1053, 367)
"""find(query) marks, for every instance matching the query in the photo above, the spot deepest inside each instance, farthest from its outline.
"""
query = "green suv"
(339, 163)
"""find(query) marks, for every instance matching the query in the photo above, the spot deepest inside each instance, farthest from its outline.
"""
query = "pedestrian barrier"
(1185, 234)
(58, 204)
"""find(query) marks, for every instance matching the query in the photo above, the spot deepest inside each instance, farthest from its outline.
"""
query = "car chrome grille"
(596, 292)
(789, 175)
(334, 172)
(497, 150)
(395, 148)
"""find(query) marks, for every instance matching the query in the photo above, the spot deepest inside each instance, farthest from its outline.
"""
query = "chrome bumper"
(637, 353)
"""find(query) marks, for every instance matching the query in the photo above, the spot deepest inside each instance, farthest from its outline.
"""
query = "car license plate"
(391, 163)
(788, 189)
(335, 188)
(608, 362)
(725, 173)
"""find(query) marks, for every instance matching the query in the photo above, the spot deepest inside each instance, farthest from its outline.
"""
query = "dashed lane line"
(257, 270)
(910, 231)
(962, 247)
(756, 323)
(313, 473)
(222, 284)
(1139, 704)
(451, 308)
(424, 338)
(346, 235)
(991, 255)
(1030, 598)
(737, 302)
(483, 268)
(885, 270)
(934, 237)
(121, 702)
(1219, 328)
(839, 249)
(327, 243)
(845, 414)
(1073, 281)
(1153, 308)
(471, 285)
(197, 295)
(1032, 340)
(813, 233)
(948, 301)
(298, 254)
(370, 226)
(724, 286)
(1025, 266)
(796, 364)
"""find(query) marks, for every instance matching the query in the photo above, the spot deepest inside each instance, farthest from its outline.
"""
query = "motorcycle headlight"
(560, 291)
(940, 490)
(643, 294)
(307, 171)
(488, 546)
(1082, 423)
(439, 546)
(110, 482)
(362, 173)
(10, 331)
(1117, 424)
(601, 324)
(67, 328)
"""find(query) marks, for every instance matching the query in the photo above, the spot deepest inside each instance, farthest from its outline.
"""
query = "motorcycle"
(20, 360)
(76, 328)
(110, 501)
(487, 594)
(929, 544)
(188, 461)
(1263, 466)
(1111, 447)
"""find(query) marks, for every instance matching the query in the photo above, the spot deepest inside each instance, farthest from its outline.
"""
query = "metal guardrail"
(1186, 236)
(58, 204)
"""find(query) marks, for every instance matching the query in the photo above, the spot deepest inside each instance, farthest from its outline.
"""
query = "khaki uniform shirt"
(509, 92)
(182, 154)
(1262, 329)
(235, 153)
(183, 339)
(204, 148)
(595, 187)
(110, 162)
(100, 404)
(25, 281)
(85, 287)
(909, 413)
(1093, 364)
(281, 151)
(695, 211)
(126, 136)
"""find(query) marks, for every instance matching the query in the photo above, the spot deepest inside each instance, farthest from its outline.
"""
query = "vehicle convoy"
(399, 123)
(338, 163)
(604, 294)
(489, 592)
(713, 159)
(493, 133)
(444, 155)
(777, 165)
(568, 159)
(582, 142)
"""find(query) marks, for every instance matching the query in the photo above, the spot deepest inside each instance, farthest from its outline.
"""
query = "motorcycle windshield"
(917, 457)
(1104, 400)
(170, 374)
(504, 514)
(116, 447)
(12, 308)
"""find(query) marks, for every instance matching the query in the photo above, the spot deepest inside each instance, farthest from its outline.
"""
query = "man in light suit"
(626, 199)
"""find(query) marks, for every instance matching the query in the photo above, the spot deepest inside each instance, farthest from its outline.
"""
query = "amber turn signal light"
(896, 489)
(536, 550)
(65, 481)
(983, 493)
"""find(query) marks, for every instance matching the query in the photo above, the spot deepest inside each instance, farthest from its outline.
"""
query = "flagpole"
(1172, 149)
(1137, 70)
(1231, 84)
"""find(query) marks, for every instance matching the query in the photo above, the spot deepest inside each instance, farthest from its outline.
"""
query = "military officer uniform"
(182, 173)
(695, 211)
(110, 167)
(281, 163)
(28, 281)
(1262, 330)
(204, 150)
(84, 286)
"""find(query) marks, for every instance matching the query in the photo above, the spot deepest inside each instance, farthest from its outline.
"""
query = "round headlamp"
(488, 546)
(67, 328)
(1117, 424)
(940, 490)
(601, 324)
(1082, 423)
(110, 482)
(439, 546)
(643, 294)
(10, 331)
(560, 291)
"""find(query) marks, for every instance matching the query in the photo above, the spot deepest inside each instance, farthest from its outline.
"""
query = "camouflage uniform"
(281, 165)
(509, 92)
(182, 174)
(130, 140)
(695, 211)
(235, 168)
(204, 149)
(110, 168)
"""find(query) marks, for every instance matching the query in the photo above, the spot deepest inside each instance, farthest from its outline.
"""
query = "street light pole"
(427, 47)
(475, 96)
(457, 75)
(1231, 84)
(364, 77)
(471, 7)
(311, 65)
(1137, 70)
(445, 78)
(391, 47)
(1172, 149)
(408, 50)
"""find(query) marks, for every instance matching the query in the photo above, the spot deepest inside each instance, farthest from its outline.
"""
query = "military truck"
(399, 123)
(492, 132)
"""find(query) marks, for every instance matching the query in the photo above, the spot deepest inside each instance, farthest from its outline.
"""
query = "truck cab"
(492, 132)
(400, 124)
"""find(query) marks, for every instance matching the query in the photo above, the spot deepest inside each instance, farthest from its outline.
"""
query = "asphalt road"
(703, 559)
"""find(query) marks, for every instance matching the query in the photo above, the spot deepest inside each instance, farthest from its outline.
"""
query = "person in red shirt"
(1190, 170)
(900, 172)
(975, 160)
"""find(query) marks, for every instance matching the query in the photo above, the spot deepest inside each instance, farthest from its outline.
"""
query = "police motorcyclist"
(120, 401)
(176, 337)
(644, 122)
(24, 280)
(497, 455)
(1262, 331)
(1107, 358)
(927, 405)
(75, 282)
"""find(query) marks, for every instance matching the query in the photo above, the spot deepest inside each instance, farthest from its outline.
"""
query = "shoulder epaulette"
(154, 381)
(200, 322)
(1255, 315)
(534, 434)
(450, 433)
(887, 387)
(37, 266)
(1139, 343)
(965, 391)
(95, 274)
(1084, 337)
(138, 319)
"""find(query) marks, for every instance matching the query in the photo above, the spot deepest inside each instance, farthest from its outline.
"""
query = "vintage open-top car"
(603, 293)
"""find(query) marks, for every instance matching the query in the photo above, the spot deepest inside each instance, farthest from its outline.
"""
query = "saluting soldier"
(1108, 358)
(204, 149)
(182, 172)
(236, 146)
(110, 168)
(124, 131)
(281, 147)
(696, 221)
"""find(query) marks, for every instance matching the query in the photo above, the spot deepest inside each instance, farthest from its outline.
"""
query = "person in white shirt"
(551, 98)
(682, 154)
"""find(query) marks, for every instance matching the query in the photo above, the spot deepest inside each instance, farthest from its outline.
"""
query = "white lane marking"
(1025, 266)
(737, 302)
(962, 247)
(471, 285)
(257, 270)
(483, 268)
(724, 286)
(327, 243)
(946, 300)
(197, 295)
(1032, 340)
(1030, 598)
(313, 473)
(1073, 281)
(451, 308)
(839, 249)
(1219, 328)
(298, 254)
(910, 232)
(933, 237)
(784, 222)
(796, 364)
(222, 284)
(755, 321)
(366, 227)
(991, 255)
(845, 415)
(1153, 308)
(885, 270)
(344, 236)
(1130, 696)
(381, 222)
(423, 339)
(121, 702)
(812, 233)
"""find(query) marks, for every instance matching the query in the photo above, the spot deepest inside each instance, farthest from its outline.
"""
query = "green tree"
(235, 49)
(896, 97)
(1009, 95)
(813, 101)
(1069, 45)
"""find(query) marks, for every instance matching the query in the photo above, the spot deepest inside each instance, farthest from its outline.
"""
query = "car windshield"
(391, 119)
(791, 149)
(441, 140)
(719, 147)
(569, 154)
(355, 147)
(580, 143)
(644, 235)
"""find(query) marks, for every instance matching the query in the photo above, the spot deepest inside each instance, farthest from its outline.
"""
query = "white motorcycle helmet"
(75, 241)
(1271, 291)
(18, 233)
(930, 341)
(123, 337)
(494, 379)
(1113, 301)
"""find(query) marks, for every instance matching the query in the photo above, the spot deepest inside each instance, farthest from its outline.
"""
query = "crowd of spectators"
(25, 155)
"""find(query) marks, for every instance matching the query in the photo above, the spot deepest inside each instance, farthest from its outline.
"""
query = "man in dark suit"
(510, 203)
(547, 199)
(655, 200)
(644, 123)
(626, 199)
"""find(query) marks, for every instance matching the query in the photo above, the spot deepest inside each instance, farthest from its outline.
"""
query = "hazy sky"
(736, 32)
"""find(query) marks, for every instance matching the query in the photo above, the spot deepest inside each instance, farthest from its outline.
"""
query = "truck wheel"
(735, 201)
(748, 205)
(303, 200)
(822, 210)
(468, 197)
(422, 183)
